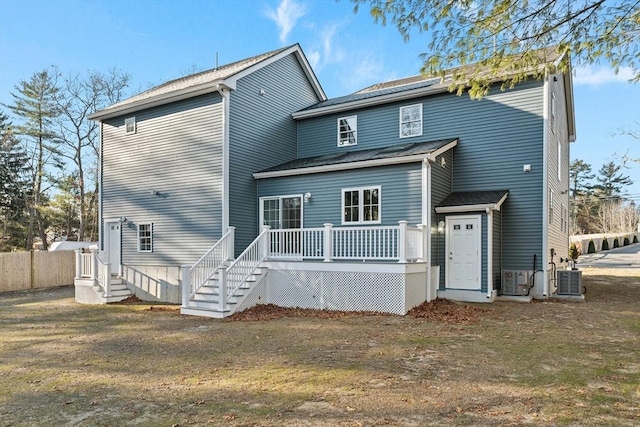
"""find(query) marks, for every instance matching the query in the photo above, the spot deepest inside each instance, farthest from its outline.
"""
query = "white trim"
(278, 197)
(360, 191)
(100, 219)
(356, 165)
(448, 218)
(426, 222)
(226, 98)
(489, 253)
(400, 120)
(473, 208)
(138, 225)
(354, 130)
(358, 267)
(545, 188)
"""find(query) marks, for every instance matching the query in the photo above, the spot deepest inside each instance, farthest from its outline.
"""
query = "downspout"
(545, 189)
(489, 253)
(224, 92)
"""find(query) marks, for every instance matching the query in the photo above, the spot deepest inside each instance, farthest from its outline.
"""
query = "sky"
(156, 41)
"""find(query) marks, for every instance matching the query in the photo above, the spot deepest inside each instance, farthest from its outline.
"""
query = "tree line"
(599, 202)
(49, 153)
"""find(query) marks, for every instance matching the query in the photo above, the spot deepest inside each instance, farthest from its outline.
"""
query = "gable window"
(361, 205)
(559, 161)
(411, 121)
(130, 125)
(550, 201)
(347, 131)
(145, 237)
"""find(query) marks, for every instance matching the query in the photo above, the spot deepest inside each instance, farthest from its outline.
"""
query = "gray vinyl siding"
(557, 134)
(497, 248)
(441, 187)
(496, 137)
(177, 151)
(401, 192)
(262, 134)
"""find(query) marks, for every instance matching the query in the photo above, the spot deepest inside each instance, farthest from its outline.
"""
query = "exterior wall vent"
(569, 282)
(515, 282)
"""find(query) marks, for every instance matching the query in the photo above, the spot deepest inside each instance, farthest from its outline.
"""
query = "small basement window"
(145, 237)
(130, 125)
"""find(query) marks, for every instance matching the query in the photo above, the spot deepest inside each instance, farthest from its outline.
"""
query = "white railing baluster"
(203, 269)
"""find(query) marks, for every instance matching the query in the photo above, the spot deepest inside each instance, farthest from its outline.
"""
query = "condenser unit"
(515, 282)
(569, 282)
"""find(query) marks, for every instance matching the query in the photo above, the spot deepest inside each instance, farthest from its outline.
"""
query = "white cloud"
(286, 16)
(314, 58)
(591, 75)
(325, 51)
(364, 72)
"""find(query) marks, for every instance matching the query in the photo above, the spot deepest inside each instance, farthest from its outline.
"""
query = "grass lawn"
(545, 363)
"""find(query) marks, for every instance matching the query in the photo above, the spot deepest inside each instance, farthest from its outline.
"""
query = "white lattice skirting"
(389, 288)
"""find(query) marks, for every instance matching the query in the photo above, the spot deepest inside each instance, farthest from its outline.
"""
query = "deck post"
(222, 293)
(107, 280)
(94, 264)
(402, 242)
(328, 242)
(423, 243)
(265, 244)
(186, 284)
(78, 263)
(231, 242)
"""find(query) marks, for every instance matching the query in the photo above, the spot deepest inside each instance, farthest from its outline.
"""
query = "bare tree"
(614, 216)
(79, 137)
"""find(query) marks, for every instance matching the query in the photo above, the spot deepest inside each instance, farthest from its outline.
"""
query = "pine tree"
(611, 182)
(35, 104)
(14, 188)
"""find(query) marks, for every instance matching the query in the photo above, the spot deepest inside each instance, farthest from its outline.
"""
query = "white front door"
(113, 245)
(464, 252)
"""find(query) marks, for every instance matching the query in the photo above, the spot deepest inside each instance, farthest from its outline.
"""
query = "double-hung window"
(130, 125)
(145, 237)
(347, 131)
(410, 120)
(361, 205)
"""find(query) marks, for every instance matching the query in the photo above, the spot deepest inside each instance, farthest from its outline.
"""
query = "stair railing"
(102, 271)
(243, 267)
(196, 276)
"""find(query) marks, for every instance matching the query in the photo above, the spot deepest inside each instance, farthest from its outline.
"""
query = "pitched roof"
(466, 201)
(393, 154)
(407, 88)
(205, 80)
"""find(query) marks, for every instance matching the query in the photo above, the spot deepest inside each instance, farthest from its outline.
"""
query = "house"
(245, 185)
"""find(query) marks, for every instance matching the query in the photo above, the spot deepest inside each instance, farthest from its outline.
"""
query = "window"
(550, 206)
(130, 125)
(411, 121)
(553, 113)
(559, 161)
(347, 131)
(145, 237)
(361, 205)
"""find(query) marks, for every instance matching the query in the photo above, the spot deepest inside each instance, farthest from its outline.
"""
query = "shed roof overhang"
(391, 155)
(472, 201)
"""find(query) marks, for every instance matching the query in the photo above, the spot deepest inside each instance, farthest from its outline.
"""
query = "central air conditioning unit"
(569, 282)
(515, 282)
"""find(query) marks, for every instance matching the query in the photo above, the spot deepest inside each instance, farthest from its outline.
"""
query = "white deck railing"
(92, 266)
(210, 262)
(376, 243)
(233, 277)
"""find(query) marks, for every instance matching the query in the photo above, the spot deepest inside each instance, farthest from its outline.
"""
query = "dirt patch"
(445, 311)
(130, 300)
(263, 312)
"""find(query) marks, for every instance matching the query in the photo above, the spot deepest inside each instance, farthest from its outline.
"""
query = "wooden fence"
(36, 269)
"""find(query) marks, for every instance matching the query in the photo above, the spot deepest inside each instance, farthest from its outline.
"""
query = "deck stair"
(206, 300)
(118, 291)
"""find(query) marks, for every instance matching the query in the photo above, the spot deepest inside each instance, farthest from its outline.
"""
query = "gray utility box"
(515, 282)
(569, 282)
